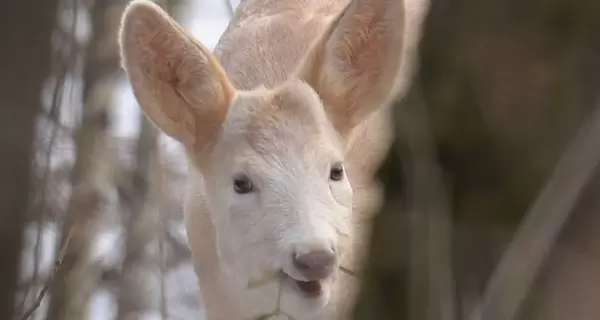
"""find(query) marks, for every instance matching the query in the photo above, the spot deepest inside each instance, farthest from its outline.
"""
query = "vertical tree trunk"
(431, 279)
(92, 176)
(25, 56)
(140, 278)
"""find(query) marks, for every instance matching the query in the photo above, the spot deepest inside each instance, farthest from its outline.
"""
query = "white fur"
(288, 92)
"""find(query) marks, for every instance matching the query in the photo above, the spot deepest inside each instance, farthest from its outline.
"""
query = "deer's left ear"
(354, 65)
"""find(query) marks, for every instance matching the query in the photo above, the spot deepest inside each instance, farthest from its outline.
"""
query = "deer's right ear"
(179, 84)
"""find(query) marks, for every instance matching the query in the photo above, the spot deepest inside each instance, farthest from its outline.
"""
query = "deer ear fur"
(354, 65)
(179, 84)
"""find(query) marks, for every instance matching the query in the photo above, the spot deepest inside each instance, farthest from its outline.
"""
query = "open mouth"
(310, 289)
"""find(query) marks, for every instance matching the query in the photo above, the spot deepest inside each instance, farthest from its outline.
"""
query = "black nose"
(315, 265)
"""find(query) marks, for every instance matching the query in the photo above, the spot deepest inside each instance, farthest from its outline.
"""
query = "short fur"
(293, 87)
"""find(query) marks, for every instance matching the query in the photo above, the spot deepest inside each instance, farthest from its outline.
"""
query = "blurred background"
(492, 202)
(105, 179)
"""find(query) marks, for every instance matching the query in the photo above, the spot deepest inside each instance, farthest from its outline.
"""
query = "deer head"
(272, 159)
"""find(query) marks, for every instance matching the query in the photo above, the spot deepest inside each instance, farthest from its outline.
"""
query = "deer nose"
(315, 265)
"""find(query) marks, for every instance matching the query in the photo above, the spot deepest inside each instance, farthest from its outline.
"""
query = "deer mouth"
(310, 288)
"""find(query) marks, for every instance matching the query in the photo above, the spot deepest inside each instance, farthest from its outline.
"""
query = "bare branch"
(26, 65)
(230, 8)
(50, 280)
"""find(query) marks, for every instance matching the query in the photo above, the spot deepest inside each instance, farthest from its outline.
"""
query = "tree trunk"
(25, 56)
(505, 87)
(140, 278)
(92, 176)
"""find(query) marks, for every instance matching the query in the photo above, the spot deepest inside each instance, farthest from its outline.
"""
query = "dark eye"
(241, 184)
(337, 172)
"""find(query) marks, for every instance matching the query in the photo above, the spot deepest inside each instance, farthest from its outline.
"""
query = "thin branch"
(230, 8)
(66, 67)
(48, 284)
(514, 276)
(56, 126)
(164, 307)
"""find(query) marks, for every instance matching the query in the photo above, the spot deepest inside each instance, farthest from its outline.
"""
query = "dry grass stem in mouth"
(274, 274)
(349, 272)
(277, 312)
(268, 276)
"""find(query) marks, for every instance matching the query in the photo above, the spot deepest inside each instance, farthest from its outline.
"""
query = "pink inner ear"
(158, 42)
(164, 70)
(165, 62)
(361, 48)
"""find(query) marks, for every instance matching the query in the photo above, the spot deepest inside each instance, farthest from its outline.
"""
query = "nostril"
(315, 265)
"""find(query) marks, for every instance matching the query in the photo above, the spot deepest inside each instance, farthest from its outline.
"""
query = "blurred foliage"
(505, 85)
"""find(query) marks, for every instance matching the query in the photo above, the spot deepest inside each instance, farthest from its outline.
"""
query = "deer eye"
(242, 184)
(336, 172)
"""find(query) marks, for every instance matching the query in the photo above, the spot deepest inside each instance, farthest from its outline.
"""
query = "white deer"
(284, 125)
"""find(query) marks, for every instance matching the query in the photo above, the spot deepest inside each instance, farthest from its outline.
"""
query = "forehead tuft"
(290, 113)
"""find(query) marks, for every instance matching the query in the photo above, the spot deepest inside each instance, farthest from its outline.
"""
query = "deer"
(284, 125)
